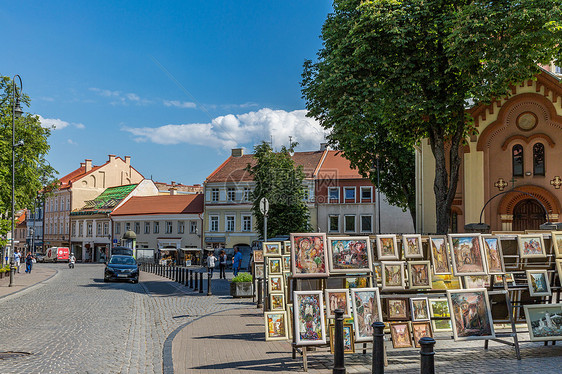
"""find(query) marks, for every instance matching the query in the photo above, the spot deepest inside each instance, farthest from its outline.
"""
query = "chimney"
(173, 190)
(88, 165)
(237, 152)
(82, 165)
(323, 146)
(111, 158)
(128, 160)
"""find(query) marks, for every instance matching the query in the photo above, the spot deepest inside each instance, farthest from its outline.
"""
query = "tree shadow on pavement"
(263, 365)
(245, 337)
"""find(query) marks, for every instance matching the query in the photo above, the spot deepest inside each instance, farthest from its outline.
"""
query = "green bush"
(242, 277)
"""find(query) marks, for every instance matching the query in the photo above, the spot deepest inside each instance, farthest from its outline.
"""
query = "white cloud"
(230, 131)
(179, 104)
(70, 141)
(105, 93)
(119, 98)
(57, 123)
(79, 126)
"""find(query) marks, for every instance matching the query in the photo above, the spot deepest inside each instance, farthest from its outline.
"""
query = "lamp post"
(16, 112)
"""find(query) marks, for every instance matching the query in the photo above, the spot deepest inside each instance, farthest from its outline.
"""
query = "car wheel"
(105, 280)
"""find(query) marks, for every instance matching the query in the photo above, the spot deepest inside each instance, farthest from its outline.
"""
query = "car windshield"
(122, 260)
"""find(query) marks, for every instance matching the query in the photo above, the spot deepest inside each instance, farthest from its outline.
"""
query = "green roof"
(106, 201)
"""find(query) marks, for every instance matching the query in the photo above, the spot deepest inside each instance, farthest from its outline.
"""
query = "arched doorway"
(528, 214)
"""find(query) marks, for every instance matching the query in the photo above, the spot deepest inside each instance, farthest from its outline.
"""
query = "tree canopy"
(278, 179)
(407, 70)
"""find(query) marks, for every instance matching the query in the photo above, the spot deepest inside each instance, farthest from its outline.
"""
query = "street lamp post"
(16, 112)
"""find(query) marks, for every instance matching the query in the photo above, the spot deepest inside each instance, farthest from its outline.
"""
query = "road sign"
(114, 241)
(264, 206)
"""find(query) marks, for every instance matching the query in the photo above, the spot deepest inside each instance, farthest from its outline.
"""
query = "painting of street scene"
(386, 247)
(539, 284)
(421, 330)
(348, 343)
(337, 299)
(366, 310)
(544, 321)
(471, 314)
(439, 255)
(276, 325)
(420, 309)
(420, 275)
(400, 333)
(494, 256)
(350, 255)
(412, 246)
(393, 275)
(467, 255)
(309, 318)
(531, 246)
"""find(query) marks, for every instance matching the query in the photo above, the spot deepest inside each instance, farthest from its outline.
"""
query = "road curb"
(31, 285)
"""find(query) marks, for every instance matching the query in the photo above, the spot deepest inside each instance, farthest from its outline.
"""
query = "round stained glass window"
(527, 121)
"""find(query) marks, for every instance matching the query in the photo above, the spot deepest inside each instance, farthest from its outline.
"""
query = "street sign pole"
(264, 208)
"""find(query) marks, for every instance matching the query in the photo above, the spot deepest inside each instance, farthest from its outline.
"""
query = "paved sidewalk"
(23, 280)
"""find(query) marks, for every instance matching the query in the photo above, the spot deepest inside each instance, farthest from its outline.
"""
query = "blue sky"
(173, 84)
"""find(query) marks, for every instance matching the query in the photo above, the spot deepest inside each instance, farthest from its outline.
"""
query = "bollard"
(378, 348)
(260, 293)
(177, 275)
(339, 360)
(201, 282)
(427, 355)
(209, 276)
(196, 288)
(190, 278)
(182, 276)
(12, 269)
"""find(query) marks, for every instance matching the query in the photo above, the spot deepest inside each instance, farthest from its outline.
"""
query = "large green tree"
(278, 179)
(32, 171)
(410, 69)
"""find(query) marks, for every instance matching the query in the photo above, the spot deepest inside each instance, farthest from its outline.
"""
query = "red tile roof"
(338, 167)
(161, 204)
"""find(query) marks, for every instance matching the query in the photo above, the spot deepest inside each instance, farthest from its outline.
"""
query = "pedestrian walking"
(236, 261)
(211, 259)
(17, 259)
(222, 265)
(28, 263)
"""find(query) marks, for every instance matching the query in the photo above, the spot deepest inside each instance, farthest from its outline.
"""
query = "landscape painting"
(439, 254)
(271, 249)
(441, 318)
(308, 255)
(467, 254)
(471, 314)
(544, 321)
(366, 310)
(539, 284)
(309, 318)
(350, 255)
(276, 326)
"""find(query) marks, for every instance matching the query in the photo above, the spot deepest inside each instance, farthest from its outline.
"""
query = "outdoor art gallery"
(503, 287)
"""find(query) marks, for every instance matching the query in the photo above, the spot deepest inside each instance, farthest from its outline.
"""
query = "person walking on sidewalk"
(236, 260)
(28, 263)
(17, 259)
(222, 265)
(211, 259)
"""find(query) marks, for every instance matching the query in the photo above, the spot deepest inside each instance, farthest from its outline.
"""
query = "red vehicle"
(56, 254)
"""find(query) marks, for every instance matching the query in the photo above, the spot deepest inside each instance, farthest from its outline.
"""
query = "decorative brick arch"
(509, 200)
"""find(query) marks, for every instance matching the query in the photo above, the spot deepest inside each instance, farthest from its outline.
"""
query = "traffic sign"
(264, 206)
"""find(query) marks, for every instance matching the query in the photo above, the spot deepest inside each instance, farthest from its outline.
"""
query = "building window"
(230, 223)
(366, 224)
(246, 223)
(557, 69)
(117, 228)
(156, 227)
(349, 223)
(334, 194)
(349, 193)
(214, 223)
(127, 226)
(56, 228)
(366, 194)
(193, 227)
(517, 158)
(169, 227)
(215, 194)
(181, 227)
(147, 227)
(98, 229)
(73, 228)
(105, 229)
(247, 191)
(538, 159)
(334, 223)
(89, 229)
(137, 228)
(231, 194)
(81, 229)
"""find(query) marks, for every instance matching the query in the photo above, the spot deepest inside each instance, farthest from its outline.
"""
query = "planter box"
(241, 289)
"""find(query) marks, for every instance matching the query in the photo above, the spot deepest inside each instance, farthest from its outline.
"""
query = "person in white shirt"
(17, 259)
(211, 259)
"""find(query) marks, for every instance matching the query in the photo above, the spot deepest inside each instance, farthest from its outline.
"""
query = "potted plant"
(241, 285)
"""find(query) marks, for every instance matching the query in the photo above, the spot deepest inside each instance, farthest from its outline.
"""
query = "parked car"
(120, 267)
(40, 257)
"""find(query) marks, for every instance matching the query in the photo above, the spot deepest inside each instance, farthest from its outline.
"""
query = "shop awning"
(191, 249)
(215, 239)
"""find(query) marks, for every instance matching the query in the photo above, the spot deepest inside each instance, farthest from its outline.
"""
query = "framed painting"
(387, 247)
(440, 316)
(544, 321)
(494, 254)
(275, 284)
(412, 246)
(400, 334)
(289, 319)
(348, 343)
(557, 243)
(539, 283)
(276, 326)
(271, 249)
(274, 266)
(337, 299)
(351, 254)
(308, 256)
(420, 309)
(309, 318)
(471, 314)
(439, 254)
(419, 273)
(508, 278)
(397, 309)
(258, 256)
(393, 275)
(531, 246)
(445, 282)
(476, 281)
(558, 267)
(286, 264)
(258, 270)
(356, 282)
(467, 254)
(421, 330)
(277, 301)
(377, 272)
(367, 309)
(287, 247)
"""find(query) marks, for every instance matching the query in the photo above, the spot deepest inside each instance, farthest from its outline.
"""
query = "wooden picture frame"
(271, 249)
(277, 301)
(494, 254)
(349, 254)
(309, 258)
(276, 284)
(556, 237)
(400, 334)
(541, 325)
(539, 283)
(440, 314)
(397, 309)
(439, 254)
(467, 254)
(276, 326)
(274, 265)
(310, 328)
(366, 303)
(419, 309)
(258, 256)
(337, 298)
(393, 275)
(387, 247)
(412, 246)
(348, 341)
(421, 330)
(419, 274)
(531, 246)
(477, 300)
